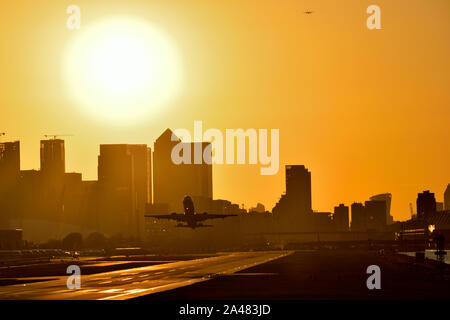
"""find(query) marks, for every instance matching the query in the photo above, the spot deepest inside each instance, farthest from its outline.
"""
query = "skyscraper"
(369, 217)
(375, 212)
(9, 159)
(447, 198)
(358, 217)
(53, 168)
(53, 203)
(124, 186)
(426, 203)
(298, 187)
(172, 182)
(293, 211)
(9, 180)
(387, 197)
(53, 159)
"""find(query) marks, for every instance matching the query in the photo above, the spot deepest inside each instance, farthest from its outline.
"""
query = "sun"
(122, 70)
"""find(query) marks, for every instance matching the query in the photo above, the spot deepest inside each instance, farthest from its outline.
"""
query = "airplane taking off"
(190, 216)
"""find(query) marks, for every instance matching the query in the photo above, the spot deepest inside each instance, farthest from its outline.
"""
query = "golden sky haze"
(367, 111)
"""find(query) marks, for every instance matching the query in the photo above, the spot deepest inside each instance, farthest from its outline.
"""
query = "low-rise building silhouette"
(426, 203)
(447, 198)
(341, 218)
(370, 217)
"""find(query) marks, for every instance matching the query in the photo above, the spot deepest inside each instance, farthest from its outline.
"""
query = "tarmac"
(322, 274)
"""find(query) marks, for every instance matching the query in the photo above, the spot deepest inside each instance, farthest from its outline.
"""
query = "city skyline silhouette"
(350, 102)
(225, 158)
(137, 181)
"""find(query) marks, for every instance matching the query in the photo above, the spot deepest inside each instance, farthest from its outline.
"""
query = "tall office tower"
(199, 177)
(9, 180)
(166, 187)
(298, 187)
(172, 182)
(73, 200)
(9, 160)
(341, 218)
(358, 217)
(439, 206)
(124, 187)
(53, 167)
(53, 158)
(387, 197)
(375, 212)
(31, 194)
(293, 211)
(41, 209)
(426, 203)
(447, 198)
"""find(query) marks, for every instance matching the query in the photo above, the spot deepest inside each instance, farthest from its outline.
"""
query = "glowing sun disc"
(121, 70)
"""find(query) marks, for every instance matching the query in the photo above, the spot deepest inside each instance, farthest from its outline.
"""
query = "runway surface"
(131, 283)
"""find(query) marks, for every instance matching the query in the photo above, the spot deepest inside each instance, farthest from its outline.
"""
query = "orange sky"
(366, 111)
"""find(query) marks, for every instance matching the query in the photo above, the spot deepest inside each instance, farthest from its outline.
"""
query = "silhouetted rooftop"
(167, 136)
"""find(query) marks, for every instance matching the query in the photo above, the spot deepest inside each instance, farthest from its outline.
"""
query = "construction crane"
(57, 135)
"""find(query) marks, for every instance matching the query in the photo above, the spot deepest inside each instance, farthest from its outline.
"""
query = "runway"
(135, 282)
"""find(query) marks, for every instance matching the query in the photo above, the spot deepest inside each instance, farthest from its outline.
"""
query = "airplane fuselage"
(189, 210)
(188, 205)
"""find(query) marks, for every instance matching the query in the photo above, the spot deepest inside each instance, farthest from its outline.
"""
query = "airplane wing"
(173, 216)
(207, 216)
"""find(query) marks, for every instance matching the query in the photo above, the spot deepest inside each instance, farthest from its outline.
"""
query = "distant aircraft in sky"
(190, 217)
(308, 12)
